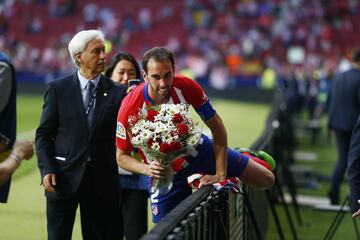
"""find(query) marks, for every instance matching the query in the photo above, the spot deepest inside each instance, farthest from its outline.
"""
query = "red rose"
(170, 147)
(150, 143)
(151, 115)
(182, 129)
(177, 118)
(165, 148)
(177, 164)
(174, 146)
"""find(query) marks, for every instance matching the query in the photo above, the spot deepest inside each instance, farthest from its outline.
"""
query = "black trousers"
(343, 139)
(133, 208)
(98, 220)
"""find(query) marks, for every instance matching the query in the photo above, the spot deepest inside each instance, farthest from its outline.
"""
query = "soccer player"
(212, 157)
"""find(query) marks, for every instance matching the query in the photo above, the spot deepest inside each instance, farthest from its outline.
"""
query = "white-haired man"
(75, 144)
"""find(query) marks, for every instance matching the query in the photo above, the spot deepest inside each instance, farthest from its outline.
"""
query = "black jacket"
(64, 143)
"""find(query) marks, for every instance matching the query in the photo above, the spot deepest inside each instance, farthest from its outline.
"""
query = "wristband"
(268, 158)
(16, 158)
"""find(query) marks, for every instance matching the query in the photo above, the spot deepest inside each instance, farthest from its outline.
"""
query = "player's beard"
(161, 96)
(164, 95)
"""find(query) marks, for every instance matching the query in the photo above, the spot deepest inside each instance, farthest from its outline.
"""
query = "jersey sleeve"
(122, 136)
(196, 96)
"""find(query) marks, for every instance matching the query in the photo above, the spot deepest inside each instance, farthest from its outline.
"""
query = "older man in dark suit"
(344, 110)
(75, 144)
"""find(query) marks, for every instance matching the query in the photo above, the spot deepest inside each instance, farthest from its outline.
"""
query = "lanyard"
(92, 101)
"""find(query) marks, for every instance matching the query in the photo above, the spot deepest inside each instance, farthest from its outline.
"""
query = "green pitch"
(24, 215)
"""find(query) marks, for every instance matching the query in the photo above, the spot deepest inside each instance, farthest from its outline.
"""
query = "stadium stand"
(230, 40)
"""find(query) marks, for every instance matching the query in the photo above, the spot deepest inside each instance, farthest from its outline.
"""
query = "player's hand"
(210, 179)
(158, 170)
(130, 88)
(357, 213)
(49, 182)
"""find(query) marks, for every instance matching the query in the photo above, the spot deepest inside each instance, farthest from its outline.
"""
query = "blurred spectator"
(234, 32)
(145, 18)
(35, 25)
(7, 116)
(343, 113)
(9, 159)
(90, 13)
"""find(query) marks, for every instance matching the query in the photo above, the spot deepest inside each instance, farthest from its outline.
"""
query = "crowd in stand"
(225, 39)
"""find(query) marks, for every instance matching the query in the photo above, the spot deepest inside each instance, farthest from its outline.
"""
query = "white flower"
(155, 146)
(136, 140)
(146, 135)
(192, 140)
(166, 138)
(160, 127)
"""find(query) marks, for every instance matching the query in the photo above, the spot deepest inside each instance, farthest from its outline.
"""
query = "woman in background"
(133, 206)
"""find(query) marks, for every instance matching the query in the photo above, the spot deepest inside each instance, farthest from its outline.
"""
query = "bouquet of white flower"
(164, 133)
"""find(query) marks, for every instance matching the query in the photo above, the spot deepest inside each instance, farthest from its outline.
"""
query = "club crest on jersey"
(155, 210)
(120, 131)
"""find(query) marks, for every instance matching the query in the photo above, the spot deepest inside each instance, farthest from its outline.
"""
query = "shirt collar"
(83, 81)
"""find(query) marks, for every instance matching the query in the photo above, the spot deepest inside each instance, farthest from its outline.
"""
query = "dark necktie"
(89, 103)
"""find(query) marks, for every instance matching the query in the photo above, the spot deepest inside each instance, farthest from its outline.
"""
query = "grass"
(23, 217)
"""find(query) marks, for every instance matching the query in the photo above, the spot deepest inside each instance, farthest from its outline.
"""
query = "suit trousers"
(343, 139)
(97, 215)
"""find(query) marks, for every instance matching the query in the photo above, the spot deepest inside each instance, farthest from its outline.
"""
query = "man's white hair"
(78, 43)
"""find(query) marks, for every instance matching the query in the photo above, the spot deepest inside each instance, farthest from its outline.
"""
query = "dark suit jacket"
(64, 143)
(354, 167)
(345, 100)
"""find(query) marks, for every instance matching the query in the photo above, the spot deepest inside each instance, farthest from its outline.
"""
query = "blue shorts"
(205, 163)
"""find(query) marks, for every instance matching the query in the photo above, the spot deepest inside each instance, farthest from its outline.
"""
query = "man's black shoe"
(334, 198)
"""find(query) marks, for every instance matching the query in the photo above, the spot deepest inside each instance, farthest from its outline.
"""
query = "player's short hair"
(160, 54)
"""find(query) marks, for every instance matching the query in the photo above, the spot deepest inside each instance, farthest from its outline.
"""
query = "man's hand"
(357, 213)
(49, 182)
(210, 179)
(158, 171)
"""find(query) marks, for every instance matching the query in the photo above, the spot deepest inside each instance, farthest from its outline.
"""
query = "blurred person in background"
(343, 112)
(133, 206)
(21, 150)
(75, 145)
(211, 157)
(7, 110)
(354, 170)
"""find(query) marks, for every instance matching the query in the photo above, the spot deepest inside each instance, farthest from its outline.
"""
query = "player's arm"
(219, 134)
(127, 162)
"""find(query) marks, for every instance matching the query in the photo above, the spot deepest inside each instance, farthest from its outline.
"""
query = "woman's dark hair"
(122, 56)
